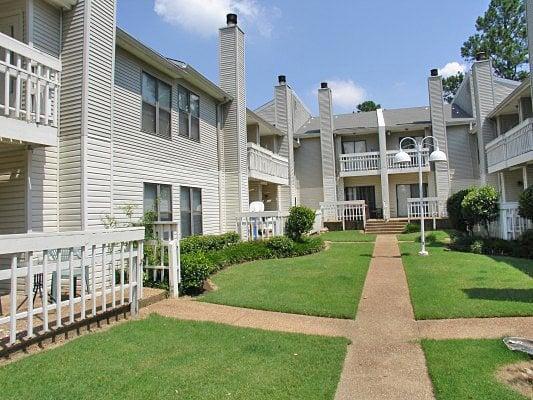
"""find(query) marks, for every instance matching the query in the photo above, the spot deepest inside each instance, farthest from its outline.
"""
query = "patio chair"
(63, 256)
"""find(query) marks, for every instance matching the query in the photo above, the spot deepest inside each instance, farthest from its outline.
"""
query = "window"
(351, 147)
(191, 211)
(156, 106)
(189, 105)
(158, 198)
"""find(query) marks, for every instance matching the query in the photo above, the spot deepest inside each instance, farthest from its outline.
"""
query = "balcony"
(361, 164)
(513, 148)
(266, 166)
(29, 93)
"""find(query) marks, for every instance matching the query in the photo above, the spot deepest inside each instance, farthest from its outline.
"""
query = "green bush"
(455, 210)
(195, 269)
(281, 246)
(477, 247)
(194, 244)
(525, 245)
(480, 206)
(525, 204)
(310, 245)
(300, 222)
(411, 228)
(239, 253)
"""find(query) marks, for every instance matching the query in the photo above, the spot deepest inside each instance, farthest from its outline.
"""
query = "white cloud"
(204, 17)
(452, 68)
(346, 94)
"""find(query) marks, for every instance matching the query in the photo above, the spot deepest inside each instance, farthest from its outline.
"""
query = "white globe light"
(402, 157)
(437, 156)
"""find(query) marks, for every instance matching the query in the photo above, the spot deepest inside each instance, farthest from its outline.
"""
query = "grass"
(449, 284)
(327, 284)
(465, 369)
(169, 359)
(431, 236)
(348, 236)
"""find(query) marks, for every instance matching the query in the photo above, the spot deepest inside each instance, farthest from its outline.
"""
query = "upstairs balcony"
(266, 166)
(513, 148)
(361, 164)
(29, 94)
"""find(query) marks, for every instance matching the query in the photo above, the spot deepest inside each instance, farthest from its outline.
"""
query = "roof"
(173, 68)
(519, 91)
(66, 4)
(366, 122)
(265, 127)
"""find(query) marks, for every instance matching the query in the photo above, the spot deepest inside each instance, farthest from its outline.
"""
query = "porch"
(266, 166)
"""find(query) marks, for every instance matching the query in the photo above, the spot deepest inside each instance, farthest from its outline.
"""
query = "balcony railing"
(429, 209)
(261, 225)
(510, 224)
(342, 211)
(512, 148)
(29, 82)
(362, 163)
(413, 164)
(267, 166)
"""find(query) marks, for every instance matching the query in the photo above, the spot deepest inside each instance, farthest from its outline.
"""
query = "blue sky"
(379, 50)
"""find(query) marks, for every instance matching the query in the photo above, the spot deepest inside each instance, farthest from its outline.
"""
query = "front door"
(366, 193)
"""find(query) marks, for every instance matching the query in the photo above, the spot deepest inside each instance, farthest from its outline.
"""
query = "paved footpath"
(385, 360)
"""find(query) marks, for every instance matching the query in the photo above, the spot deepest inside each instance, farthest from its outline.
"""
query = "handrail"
(267, 152)
(30, 52)
(509, 133)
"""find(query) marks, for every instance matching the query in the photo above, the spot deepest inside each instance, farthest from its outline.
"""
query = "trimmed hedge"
(196, 267)
(521, 248)
(194, 244)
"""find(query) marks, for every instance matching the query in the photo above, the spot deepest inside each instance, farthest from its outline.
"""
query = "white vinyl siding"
(44, 190)
(12, 189)
(46, 27)
(141, 157)
(308, 169)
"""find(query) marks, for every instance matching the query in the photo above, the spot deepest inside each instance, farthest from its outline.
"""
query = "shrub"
(310, 245)
(207, 243)
(281, 246)
(480, 206)
(524, 246)
(411, 228)
(300, 222)
(462, 242)
(239, 253)
(477, 247)
(525, 204)
(455, 210)
(195, 269)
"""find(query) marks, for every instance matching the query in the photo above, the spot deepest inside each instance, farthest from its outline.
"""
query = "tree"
(455, 210)
(525, 204)
(368, 105)
(481, 206)
(451, 85)
(300, 222)
(501, 33)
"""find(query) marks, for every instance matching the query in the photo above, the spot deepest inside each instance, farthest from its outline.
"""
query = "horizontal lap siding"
(46, 27)
(12, 189)
(462, 158)
(142, 157)
(44, 189)
(308, 171)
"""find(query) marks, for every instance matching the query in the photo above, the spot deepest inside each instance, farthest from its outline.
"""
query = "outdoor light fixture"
(403, 158)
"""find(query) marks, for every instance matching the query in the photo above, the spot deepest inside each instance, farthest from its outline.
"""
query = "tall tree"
(501, 33)
(368, 105)
(451, 85)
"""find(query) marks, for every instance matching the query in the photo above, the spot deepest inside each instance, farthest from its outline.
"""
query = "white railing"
(510, 224)
(261, 225)
(107, 266)
(342, 211)
(162, 261)
(429, 209)
(410, 165)
(265, 165)
(31, 81)
(360, 162)
(514, 143)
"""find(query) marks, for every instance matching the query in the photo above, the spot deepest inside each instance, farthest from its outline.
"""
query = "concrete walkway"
(385, 360)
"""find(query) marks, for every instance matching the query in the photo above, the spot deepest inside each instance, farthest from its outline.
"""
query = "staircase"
(391, 227)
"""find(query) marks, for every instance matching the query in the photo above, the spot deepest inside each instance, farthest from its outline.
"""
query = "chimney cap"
(481, 56)
(282, 79)
(324, 85)
(434, 72)
(231, 19)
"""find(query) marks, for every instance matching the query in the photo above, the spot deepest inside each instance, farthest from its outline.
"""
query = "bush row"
(523, 247)
(197, 267)
(194, 244)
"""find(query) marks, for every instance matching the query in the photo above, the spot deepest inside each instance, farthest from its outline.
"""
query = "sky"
(379, 50)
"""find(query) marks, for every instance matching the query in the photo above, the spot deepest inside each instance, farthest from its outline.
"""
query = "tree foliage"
(455, 210)
(501, 33)
(300, 222)
(481, 206)
(525, 203)
(368, 105)
(450, 86)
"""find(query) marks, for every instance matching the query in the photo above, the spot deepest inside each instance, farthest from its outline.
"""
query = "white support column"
(502, 187)
(524, 177)
(29, 207)
(382, 131)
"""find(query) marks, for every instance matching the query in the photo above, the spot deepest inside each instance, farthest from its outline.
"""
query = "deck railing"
(410, 165)
(261, 225)
(516, 142)
(343, 211)
(360, 162)
(30, 82)
(510, 225)
(107, 265)
(265, 165)
(429, 209)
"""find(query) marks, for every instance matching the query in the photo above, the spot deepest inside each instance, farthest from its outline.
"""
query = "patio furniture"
(65, 273)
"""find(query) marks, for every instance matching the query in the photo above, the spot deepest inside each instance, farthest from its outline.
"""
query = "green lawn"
(326, 284)
(449, 284)
(431, 236)
(348, 236)
(465, 369)
(160, 358)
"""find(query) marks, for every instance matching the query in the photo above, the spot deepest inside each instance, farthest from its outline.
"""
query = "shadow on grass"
(515, 295)
(522, 264)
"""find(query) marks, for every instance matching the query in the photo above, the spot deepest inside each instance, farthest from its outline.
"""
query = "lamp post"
(436, 156)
